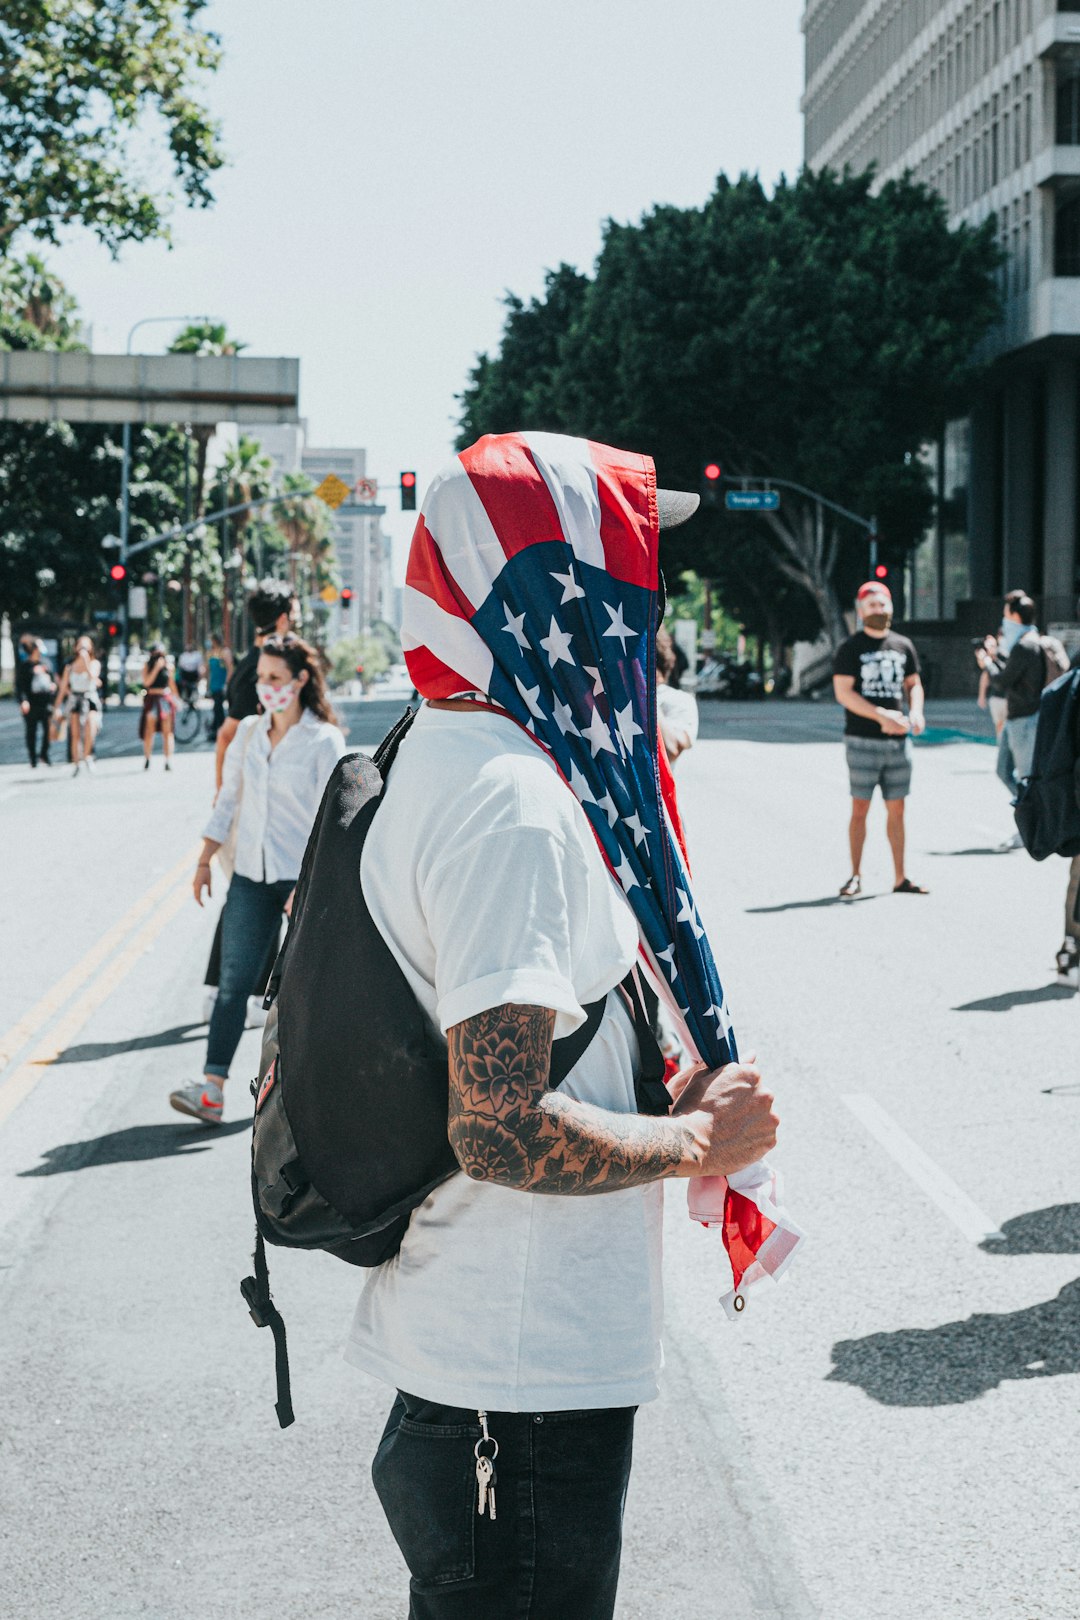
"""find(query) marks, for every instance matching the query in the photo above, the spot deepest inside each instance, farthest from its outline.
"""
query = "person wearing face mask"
(35, 688)
(275, 771)
(874, 673)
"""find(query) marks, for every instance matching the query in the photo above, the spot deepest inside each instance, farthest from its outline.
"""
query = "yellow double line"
(161, 902)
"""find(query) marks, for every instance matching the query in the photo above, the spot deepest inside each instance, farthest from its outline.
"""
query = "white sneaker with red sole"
(202, 1100)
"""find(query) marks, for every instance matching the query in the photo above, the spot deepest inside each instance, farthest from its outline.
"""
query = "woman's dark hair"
(301, 655)
(268, 601)
(665, 653)
(1020, 603)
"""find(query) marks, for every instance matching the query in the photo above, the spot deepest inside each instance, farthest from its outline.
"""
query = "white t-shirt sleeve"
(504, 914)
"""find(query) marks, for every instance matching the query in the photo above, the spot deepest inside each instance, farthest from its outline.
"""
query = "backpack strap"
(652, 1094)
(569, 1051)
(264, 1313)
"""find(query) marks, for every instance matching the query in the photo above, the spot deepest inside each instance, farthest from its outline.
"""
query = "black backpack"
(1048, 804)
(347, 1057)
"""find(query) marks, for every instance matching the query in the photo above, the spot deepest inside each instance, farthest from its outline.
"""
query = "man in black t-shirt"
(874, 672)
(274, 611)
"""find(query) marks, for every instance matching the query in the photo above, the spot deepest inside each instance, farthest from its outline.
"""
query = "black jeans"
(552, 1552)
(39, 715)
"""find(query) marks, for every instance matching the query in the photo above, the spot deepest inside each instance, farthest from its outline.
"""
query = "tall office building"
(980, 99)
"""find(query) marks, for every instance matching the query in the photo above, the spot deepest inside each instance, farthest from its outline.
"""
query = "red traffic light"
(712, 472)
(114, 628)
(881, 572)
(408, 480)
(346, 594)
(118, 572)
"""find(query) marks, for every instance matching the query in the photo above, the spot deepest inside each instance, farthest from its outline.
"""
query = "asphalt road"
(891, 1432)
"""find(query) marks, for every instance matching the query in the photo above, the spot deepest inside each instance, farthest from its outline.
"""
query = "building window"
(1067, 122)
(1067, 237)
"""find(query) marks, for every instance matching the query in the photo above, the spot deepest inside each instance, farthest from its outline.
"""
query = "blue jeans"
(1021, 738)
(1006, 768)
(250, 920)
(552, 1552)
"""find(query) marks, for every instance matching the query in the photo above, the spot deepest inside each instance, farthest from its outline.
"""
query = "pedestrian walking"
(1015, 663)
(875, 672)
(78, 704)
(35, 689)
(676, 710)
(160, 700)
(189, 672)
(275, 610)
(276, 769)
(219, 668)
(522, 1332)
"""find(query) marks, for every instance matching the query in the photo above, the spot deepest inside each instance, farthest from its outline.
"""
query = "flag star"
(722, 1020)
(529, 695)
(564, 719)
(618, 626)
(607, 805)
(625, 873)
(628, 727)
(515, 626)
(580, 786)
(557, 645)
(688, 913)
(598, 683)
(597, 733)
(570, 586)
(668, 956)
(640, 835)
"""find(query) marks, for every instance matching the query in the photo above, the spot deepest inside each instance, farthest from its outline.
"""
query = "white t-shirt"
(484, 877)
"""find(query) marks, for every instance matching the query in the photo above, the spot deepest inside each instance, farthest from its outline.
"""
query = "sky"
(395, 166)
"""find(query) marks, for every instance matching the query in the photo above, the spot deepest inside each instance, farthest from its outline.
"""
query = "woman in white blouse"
(276, 769)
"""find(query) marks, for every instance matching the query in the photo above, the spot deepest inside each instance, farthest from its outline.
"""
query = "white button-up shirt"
(275, 794)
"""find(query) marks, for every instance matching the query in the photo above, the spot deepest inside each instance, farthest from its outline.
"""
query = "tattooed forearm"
(506, 1126)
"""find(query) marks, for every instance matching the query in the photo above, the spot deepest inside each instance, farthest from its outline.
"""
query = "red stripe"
(629, 527)
(427, 572)
(431, 677)
(512, 491)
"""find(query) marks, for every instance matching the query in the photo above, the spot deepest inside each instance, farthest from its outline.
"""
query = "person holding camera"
(1015, 666)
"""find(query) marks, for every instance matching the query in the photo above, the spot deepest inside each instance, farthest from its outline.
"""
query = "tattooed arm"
(506, 1126)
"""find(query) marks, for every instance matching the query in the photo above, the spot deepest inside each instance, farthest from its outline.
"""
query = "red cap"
(870, 586)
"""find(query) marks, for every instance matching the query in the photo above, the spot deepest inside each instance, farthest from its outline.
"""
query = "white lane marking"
(975, 1225)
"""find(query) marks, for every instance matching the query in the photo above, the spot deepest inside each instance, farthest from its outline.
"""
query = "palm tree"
(307, 525)
(201, 338)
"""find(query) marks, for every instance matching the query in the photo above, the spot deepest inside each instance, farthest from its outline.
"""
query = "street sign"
(137, 603)
(752, 500)
(333, 491)
(329, 593)
(366, 489)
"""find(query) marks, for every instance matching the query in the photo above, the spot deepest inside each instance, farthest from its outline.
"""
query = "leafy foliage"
(80, 82)
(821, 334)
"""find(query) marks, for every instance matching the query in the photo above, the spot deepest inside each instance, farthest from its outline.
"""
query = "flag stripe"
(626, 488)
(514, 496)
(425, 625)
(471, 552)
(427, 572)
(567, 470)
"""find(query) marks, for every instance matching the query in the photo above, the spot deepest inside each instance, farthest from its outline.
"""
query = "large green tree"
(81, 82)
(822, 333)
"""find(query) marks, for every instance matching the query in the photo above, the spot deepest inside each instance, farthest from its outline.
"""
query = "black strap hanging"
(264, 1313)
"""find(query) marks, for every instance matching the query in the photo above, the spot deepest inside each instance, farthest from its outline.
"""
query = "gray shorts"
(883, 762)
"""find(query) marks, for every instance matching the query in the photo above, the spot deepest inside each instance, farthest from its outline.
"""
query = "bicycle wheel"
(186, 724)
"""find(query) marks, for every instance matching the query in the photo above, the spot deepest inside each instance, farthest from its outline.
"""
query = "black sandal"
(907, 887)
(851, 888)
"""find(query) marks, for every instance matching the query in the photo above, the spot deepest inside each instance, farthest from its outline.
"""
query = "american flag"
(533, 580)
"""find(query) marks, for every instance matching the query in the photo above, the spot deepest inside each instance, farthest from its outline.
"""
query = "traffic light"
(711, 476)
(346, 595)
(881, 571)
(408, 492)
(117, 583)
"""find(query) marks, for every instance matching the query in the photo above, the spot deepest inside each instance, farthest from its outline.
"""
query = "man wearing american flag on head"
(524, 868)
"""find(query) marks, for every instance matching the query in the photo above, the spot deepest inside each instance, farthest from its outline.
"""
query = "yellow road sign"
(329, 593)
(333, 492)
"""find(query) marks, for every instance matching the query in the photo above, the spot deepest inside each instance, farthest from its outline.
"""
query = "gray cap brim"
(675, 506)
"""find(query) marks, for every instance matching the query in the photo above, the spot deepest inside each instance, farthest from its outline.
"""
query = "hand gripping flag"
(533, 581)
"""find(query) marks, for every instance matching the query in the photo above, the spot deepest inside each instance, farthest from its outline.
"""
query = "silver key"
(485, 1470)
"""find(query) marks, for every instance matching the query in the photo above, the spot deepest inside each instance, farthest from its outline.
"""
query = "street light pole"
(125, 492)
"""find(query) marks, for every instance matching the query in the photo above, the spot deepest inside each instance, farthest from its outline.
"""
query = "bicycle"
(189, 718)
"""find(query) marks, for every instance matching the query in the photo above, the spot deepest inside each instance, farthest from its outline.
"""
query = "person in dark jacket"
(35, 688)
(1017, 669)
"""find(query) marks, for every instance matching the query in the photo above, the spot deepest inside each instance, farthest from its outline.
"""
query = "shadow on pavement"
(133, 1143)
(91, 1051)
(810, 905)
(959, 1361)
(990, 849)
(1018, 998)
(1055, 1230)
